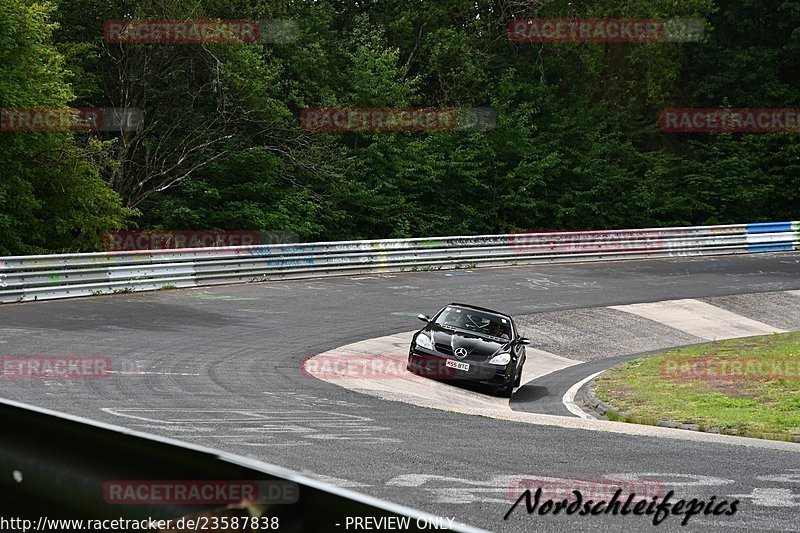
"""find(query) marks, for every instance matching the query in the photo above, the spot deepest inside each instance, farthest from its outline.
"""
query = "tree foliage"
(576, 143)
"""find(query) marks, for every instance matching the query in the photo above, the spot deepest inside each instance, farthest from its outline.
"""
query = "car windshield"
(479, 322)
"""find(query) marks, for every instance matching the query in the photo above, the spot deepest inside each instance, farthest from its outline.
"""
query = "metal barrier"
(58, 467)
(39, 277)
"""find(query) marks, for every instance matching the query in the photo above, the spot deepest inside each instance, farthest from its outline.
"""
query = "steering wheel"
(477, 326)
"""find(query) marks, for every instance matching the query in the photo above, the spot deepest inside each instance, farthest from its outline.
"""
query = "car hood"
(476, 346)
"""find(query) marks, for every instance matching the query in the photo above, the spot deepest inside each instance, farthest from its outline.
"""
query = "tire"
(508, 390)
(518, 380)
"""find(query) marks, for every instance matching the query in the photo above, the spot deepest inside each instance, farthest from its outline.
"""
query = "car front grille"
(443, 348)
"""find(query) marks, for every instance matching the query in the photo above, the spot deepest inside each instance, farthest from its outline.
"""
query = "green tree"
(51, 194)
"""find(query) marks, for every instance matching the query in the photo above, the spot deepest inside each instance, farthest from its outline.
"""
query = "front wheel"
(506, 391)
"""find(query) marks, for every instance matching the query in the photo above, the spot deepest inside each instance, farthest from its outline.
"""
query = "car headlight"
(500, 359)
(424, 341)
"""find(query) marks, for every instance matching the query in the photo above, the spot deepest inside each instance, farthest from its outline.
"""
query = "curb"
(594, 403)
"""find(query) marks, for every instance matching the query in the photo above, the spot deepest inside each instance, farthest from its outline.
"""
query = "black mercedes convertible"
(464, 342)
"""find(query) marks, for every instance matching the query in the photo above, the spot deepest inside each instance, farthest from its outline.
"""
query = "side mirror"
(525, 341)
(424, 318)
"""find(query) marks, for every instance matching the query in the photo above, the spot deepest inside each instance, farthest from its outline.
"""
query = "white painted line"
(794, 293)
(700, 319)
(569, 397)
(339, 482)
(771, 497)
(144, 373)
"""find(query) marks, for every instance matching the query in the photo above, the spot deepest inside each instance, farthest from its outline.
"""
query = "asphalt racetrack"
(221, 367)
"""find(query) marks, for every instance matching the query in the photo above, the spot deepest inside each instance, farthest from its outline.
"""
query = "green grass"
(126, 290)
(747, 386)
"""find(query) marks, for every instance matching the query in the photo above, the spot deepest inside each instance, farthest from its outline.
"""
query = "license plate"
(457, 365)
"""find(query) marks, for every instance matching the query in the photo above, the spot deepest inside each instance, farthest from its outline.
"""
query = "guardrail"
(40, 277)
(57, 467)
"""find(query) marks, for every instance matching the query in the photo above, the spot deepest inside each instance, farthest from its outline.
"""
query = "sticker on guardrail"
(200, 492)
(54, 367)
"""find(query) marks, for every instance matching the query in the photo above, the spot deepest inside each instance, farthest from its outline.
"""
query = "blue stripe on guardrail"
(770, 247)
(769, 227)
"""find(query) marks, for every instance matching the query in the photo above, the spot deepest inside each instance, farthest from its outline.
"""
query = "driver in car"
(496, 331)
(458, 320)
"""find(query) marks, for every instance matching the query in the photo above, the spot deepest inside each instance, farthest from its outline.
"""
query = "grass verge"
(748, 387)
